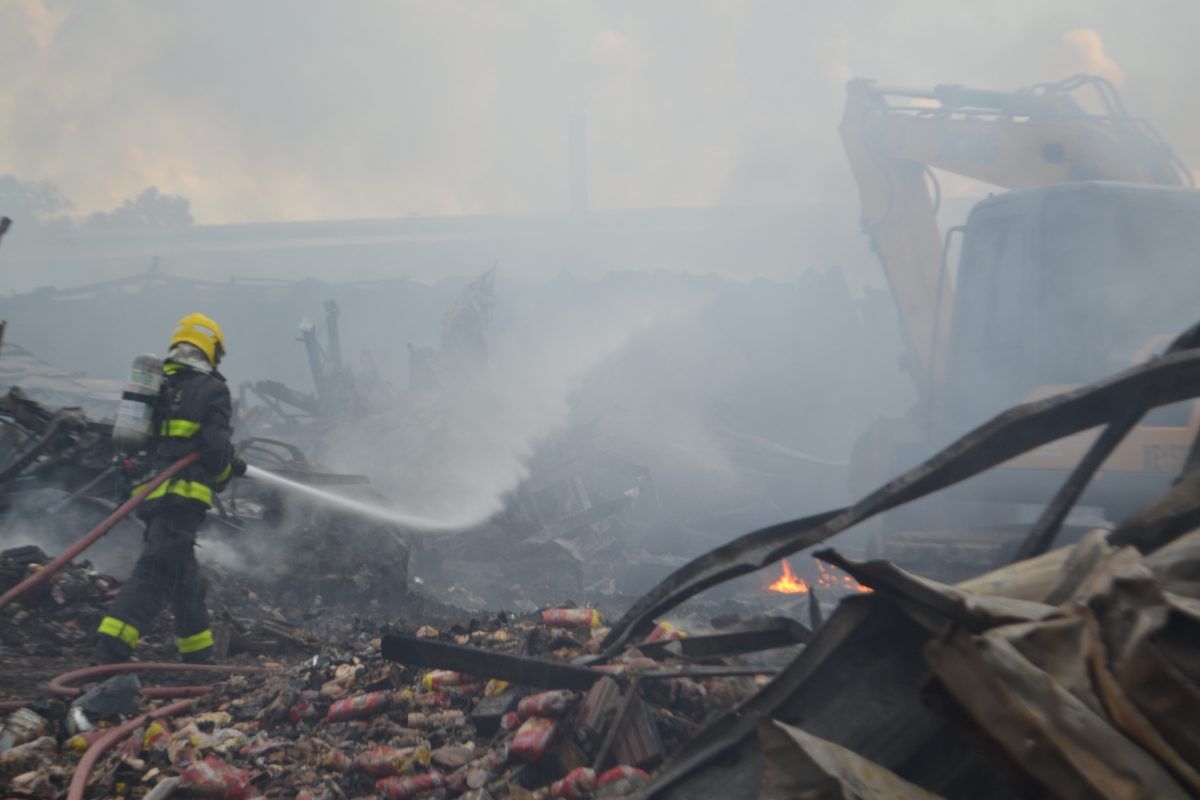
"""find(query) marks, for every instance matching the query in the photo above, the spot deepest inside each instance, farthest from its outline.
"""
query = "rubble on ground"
(353, 718)
(1071, 673)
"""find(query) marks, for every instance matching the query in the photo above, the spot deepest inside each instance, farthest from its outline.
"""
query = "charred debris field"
(602, 632)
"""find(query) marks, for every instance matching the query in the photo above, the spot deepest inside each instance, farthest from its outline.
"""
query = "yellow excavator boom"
(1038, 136)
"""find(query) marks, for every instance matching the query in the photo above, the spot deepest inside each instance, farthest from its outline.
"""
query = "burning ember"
(828, 577)
(789, 583)
(833, 578)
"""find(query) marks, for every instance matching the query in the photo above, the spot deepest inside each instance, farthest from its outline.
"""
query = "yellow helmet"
(199, 330)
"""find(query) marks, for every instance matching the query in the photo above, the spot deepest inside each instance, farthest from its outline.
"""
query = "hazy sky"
(295, 109)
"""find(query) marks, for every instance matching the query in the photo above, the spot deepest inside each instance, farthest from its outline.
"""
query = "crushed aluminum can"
(511, 721)
(215, 779)
(571, 617)
(440, 678)
(546, 704)
(533, 738)
(359, 706)
(578, 784)
(384, 761)
(402, 788)
(664, 630)
(431, 700)
(620, 781)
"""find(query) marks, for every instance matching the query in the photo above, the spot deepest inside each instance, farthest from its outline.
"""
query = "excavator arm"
(1032, 137)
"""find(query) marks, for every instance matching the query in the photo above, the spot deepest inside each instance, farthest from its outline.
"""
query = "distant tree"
(32, 203)
(150, 209)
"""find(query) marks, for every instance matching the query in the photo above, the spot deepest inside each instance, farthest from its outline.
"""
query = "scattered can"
(578, 784)
(213, 778)
(571, 617)
(402, 788)
(664, 631)
(384, 761)
(439, 678)
(620, 781)
(546, 704)
(359, 706)
(533, 738)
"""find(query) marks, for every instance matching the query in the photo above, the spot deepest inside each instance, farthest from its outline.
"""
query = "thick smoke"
(456, 457)
(298, 110)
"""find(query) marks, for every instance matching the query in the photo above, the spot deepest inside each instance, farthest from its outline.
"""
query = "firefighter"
(193, 414)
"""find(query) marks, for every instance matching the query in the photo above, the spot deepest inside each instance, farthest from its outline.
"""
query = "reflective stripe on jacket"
(193, 415)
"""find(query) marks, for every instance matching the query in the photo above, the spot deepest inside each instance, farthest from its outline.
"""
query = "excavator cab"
(1086, 264)
(1064, 285)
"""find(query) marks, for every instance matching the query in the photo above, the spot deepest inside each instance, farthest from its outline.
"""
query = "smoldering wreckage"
(1070, 673)
(367, 660)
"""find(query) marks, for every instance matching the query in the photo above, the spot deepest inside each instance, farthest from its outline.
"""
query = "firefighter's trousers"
(166, 572)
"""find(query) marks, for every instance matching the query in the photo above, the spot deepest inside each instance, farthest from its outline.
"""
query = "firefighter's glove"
(238, 466)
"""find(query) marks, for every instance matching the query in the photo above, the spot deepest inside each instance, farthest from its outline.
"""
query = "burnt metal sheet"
(856, 685)
(946, 604)
(1016, 431)
(1047, 731)
(520, 670)
(799, 764)
(762, 634)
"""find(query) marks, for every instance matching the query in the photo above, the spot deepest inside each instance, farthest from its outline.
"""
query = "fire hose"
(62, 687)
(42, 575)
(83, 769)
(61, 684)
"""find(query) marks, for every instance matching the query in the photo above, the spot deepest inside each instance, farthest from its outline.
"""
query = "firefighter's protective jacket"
(193, 415)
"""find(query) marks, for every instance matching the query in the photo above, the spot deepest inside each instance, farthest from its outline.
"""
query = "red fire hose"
(42, 575)
(102, 745)
(61, 684)
(62, 687)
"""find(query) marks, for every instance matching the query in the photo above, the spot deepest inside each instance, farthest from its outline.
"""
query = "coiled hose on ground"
(61, 685)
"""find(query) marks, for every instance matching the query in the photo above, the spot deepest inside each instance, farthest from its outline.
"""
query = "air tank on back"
(135, 414)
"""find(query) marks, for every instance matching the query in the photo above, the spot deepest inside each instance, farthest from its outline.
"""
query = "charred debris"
(1071, 672)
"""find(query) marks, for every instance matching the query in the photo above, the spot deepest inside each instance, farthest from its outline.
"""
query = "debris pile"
(1069, 674)
(52, 627)
(370, 716)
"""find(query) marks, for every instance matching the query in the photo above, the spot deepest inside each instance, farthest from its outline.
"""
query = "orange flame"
(789, 583)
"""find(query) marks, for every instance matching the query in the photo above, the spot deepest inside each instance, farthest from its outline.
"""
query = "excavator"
(1084, 262)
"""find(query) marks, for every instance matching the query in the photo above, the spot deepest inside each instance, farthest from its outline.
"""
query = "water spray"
(353, 505)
